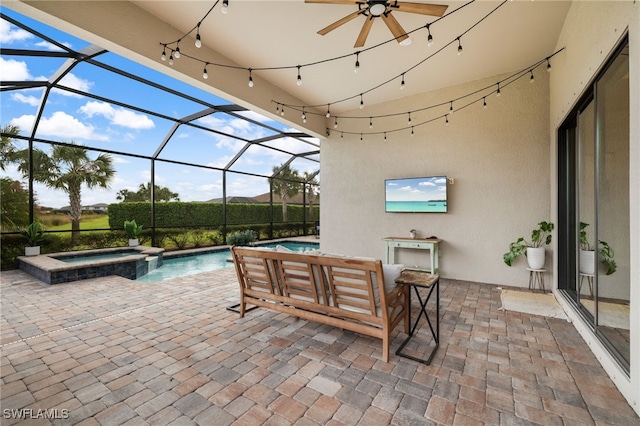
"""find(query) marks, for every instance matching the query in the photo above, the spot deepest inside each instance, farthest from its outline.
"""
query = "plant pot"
(535, 257)
(32, 251)
(133, 242)
(412, 235)
(587, 262)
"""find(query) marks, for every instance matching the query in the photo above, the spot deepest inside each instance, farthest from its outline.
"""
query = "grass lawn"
(90, 222)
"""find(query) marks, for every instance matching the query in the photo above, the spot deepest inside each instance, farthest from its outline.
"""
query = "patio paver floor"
(111, 351)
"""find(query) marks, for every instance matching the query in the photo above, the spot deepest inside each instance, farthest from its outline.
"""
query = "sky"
(417, 189)
(70, 117)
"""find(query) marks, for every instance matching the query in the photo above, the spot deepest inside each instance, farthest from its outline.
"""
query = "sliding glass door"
(593, 223)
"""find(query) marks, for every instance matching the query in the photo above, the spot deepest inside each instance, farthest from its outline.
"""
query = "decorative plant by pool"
(242, 238)
(133, 230)
(35, 236)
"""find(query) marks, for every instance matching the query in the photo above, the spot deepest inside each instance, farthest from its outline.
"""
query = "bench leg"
(385, 349)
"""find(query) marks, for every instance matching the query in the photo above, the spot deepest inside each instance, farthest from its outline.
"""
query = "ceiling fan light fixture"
(377, 8)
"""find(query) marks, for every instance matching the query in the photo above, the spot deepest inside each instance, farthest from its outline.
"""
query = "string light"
(360, 136)
(429, 37)
(409, 121)
(299, 79)
(198, 39)
(370, 123)
(277, 109)
(251, 80)
(385, 136)
(402, 82)
(412, 131)
(164, 54)
(204, 73)
(177, 52)
(335, 123)
(282, 111)
(548, 65)
(500, 84)
(357, 63)
(328, 114)
(446, 120)
(304, 116)
(531, 79)
(171, 58)
(225, 6)
(361, 101)
(341, 135)
(459, 47)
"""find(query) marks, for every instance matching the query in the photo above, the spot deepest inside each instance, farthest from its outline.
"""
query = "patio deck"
(111, 351)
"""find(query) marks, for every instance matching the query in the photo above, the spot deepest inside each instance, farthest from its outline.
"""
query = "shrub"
(242, 238)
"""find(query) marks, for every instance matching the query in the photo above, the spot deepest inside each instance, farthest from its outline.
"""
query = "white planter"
(587, 262)
(535, 257)
(412, 235)
(32, 251)
(133, 242)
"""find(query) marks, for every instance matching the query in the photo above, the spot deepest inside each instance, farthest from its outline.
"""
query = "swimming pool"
(183, 265)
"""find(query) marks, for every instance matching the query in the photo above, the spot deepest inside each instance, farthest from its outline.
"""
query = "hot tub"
(56, 268)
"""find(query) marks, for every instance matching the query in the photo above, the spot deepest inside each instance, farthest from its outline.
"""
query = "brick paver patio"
(112, 351)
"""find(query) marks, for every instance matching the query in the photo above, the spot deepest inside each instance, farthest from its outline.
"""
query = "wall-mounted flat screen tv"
(416, 195)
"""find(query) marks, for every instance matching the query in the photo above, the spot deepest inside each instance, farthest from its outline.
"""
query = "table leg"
(423, 311)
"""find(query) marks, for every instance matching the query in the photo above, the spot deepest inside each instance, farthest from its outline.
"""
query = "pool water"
(208, 261)
(93, 258)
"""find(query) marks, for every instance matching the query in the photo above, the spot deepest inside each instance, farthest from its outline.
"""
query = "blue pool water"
(207, 261)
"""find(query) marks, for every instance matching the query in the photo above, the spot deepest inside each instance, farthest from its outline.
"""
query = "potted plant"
(412, 233)
(35, 236)
(588, 256)
(133, 230)
(533, 249)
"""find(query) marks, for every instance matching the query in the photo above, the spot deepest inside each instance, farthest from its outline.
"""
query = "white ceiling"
(264, 33)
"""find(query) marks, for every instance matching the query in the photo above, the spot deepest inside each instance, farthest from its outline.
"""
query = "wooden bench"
(349, 293)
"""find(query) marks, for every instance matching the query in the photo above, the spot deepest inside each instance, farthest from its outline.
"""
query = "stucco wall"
(591, 31)
(498, 158)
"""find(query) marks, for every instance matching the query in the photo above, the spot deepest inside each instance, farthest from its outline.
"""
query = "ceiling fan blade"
(342, 21)
(364, 32)
(394, 26)
(421, 8)
(335, 1)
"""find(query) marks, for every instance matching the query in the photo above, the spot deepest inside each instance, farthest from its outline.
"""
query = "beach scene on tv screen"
(416, 195)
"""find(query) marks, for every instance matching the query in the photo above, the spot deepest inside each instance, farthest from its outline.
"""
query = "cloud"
(73, 82)
(426, 184)
(10, 33)
(13, 70)
(51, 46)
(118, 116)
(30, 100)
(59, 124)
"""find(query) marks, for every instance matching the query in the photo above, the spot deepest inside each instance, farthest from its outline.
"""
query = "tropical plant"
(68, 167)
(286, 183)
(7, 148)
(539, 236)
(242, 238)
(604, 249)
(132, 228)
(34, 234)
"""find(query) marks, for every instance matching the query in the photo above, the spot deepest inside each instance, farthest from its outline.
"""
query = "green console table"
(431, 244)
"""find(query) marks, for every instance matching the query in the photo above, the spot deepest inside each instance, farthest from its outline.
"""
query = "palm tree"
(68, 168)
(286, 182)
(312, 188)
(7, 149)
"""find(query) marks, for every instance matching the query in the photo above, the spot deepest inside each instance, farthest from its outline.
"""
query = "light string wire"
(401, 75)
(500, 85)
(172, 50)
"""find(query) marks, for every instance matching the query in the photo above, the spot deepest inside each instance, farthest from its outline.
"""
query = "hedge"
(176, 214)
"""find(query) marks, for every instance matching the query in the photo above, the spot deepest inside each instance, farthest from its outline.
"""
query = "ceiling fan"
(372, 9)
